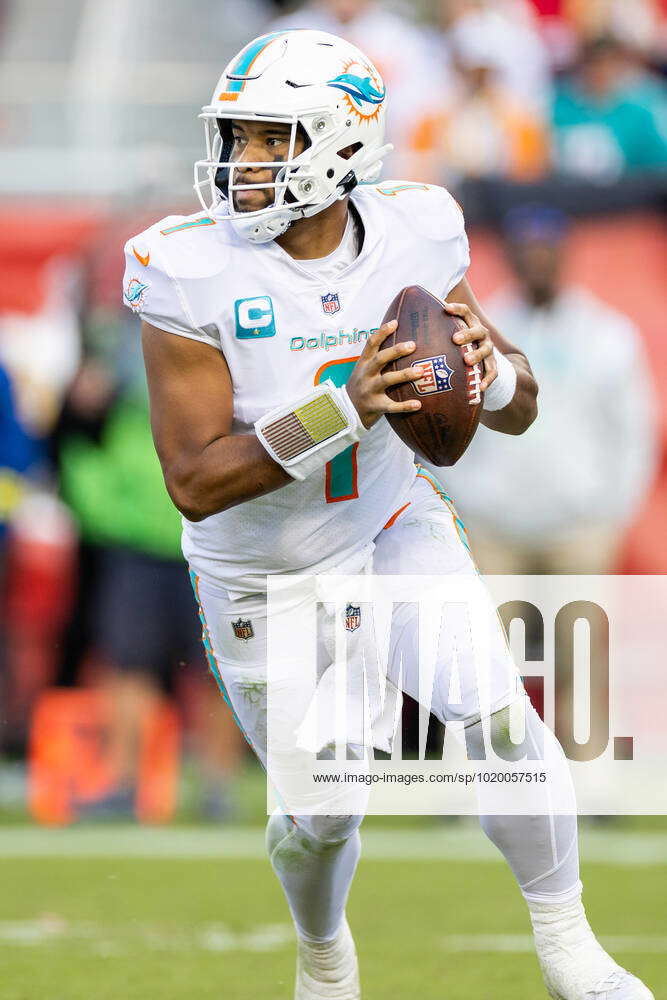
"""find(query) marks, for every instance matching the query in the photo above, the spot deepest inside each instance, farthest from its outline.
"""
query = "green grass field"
(140, 914)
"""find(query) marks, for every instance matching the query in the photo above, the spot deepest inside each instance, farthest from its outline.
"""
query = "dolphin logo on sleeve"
(135, 293)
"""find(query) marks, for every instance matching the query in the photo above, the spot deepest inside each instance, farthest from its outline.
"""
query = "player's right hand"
(367, 385)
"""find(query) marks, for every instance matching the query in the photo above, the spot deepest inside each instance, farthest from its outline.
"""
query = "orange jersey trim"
(394, 517)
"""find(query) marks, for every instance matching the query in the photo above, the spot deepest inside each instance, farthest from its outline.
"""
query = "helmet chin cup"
(262, 228)
(258, 229)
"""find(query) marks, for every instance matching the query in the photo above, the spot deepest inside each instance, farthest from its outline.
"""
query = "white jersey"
(283, 330)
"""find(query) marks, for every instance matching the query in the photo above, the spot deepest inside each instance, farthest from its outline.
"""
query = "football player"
(265, 359)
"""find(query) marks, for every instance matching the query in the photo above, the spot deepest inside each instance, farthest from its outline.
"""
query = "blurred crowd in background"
(546, 118)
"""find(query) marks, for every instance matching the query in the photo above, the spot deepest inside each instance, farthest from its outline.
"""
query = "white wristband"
(304, 435)
(501, 392)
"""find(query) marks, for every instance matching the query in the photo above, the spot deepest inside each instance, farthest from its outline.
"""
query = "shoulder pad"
(184, 246)
(427, 209)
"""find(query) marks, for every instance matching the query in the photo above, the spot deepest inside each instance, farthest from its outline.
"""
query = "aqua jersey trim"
(422, 473)
(188, 225)
(210, 656)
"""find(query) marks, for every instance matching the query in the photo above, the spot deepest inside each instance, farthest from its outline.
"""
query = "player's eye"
(275, 140)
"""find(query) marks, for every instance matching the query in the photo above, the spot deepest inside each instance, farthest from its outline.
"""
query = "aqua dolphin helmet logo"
(363, 89)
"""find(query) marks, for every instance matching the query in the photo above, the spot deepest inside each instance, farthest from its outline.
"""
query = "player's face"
(538, 265)
(603, 74)
(255, 142)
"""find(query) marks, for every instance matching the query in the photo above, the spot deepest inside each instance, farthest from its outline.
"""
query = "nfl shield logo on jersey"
(352, 617)
(243, 629)
(331, 303)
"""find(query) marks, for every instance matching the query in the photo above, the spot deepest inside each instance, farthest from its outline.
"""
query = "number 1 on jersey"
(341, 472)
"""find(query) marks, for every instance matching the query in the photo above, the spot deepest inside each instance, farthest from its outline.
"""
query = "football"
(449, 390)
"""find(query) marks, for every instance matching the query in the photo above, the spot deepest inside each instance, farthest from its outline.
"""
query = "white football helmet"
(322, 87)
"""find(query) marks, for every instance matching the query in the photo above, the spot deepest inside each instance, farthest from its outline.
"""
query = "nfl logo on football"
(243, 629)
(331, 303)
(352, 617)
(436, 375)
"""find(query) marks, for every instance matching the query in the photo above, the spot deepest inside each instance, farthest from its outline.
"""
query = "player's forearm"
(519, 414)
(229, 471)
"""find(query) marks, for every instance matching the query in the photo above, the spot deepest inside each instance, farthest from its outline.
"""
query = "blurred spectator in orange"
(508, 28)
(610, 118)
(413, 62)
(562, 500)
(482, 130)
(135, 603)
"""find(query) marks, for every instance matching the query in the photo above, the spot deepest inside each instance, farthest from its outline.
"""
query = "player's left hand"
(476, 333)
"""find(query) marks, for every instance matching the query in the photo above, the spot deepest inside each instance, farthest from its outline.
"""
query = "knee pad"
(328, 831)
(278, 827)
(316, 832)
(532, 746)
